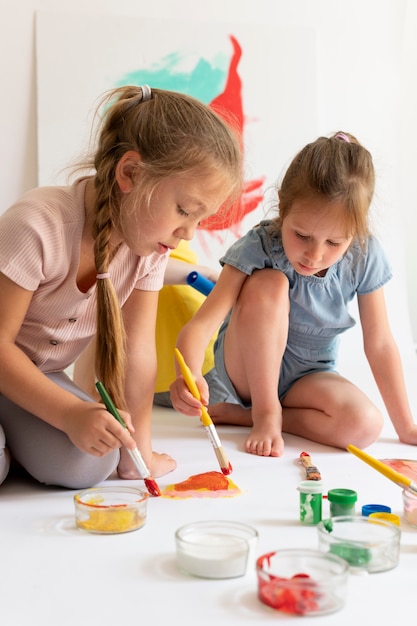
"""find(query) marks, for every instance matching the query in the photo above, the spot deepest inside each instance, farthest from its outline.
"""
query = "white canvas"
(78, 59)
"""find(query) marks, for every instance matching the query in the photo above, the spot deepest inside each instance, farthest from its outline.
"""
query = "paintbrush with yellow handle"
(225, 466)
(388, 472)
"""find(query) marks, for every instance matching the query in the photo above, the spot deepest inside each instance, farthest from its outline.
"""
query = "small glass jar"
(410, 508)
(342, 502)
(367, 544)
(109, 510)
(216, 549)
(302, 582)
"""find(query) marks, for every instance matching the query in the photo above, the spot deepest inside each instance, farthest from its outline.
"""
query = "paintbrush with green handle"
(134, 454)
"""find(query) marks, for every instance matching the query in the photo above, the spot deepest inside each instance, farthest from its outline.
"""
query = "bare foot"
(161, 464)
(265, 440)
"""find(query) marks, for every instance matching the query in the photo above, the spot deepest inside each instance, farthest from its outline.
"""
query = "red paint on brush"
(152, 486)
(227, 470)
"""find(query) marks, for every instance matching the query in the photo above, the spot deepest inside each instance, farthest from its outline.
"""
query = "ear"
(126, 169)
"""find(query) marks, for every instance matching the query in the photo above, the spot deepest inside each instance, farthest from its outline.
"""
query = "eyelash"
(182, 212)
(334, 244)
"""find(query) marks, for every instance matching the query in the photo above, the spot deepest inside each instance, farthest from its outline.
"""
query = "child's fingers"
(182, 399)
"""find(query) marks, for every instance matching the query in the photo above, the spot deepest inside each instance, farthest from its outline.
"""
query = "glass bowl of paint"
(110, 510)
(215, 549)
(410, 507)
(302, 582)
(366, 543)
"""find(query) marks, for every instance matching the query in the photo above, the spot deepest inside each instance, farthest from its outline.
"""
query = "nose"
(313, 253)
(185, 232)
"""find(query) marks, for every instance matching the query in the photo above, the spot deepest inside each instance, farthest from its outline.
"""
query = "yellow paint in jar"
(111, 521)
(111, 510)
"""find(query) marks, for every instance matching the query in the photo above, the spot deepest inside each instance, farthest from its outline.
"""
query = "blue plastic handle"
(201, 283)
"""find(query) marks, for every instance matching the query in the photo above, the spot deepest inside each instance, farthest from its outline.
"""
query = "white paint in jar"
(215, 551)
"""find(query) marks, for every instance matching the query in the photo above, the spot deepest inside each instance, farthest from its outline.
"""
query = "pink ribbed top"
(40, 239)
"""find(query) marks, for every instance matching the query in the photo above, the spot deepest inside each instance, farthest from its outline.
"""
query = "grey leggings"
(45, 452)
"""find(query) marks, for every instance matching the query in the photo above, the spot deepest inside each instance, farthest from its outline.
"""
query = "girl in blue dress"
(283, 301)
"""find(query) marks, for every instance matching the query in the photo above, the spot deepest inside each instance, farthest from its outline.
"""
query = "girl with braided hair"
(83, 264)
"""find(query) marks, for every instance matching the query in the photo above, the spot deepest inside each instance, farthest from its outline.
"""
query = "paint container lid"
(386, 517)
(342, 496)
(368, 509)
(310, 486)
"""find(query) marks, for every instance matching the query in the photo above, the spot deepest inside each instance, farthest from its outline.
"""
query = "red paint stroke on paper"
(206, 485)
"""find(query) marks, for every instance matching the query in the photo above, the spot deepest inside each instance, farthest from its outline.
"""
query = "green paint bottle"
(342, 502)
(311, 495)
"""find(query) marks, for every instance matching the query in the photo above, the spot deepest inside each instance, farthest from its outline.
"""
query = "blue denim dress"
(319, 307)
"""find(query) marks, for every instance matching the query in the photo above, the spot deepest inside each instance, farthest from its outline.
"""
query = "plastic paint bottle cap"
(368, 509)
(386, 517)
(310, 486)
(342, 496)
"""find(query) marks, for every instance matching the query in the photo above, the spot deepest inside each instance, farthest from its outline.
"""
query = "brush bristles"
(223, 461)
(152, 487)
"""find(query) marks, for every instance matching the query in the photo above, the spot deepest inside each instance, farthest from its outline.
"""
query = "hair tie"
(146, 93)
(101, 276)
(343, 137)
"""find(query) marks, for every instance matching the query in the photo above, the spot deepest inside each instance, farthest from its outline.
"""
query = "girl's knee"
(366, 427)
(268, 279)
(265, 289)
(76, 473)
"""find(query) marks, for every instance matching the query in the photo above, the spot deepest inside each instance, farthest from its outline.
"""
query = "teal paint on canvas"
(204, 81)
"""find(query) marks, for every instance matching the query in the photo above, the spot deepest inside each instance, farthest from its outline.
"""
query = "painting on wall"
(264, 76)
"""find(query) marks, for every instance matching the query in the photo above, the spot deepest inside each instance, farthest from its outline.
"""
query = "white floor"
(52, 573)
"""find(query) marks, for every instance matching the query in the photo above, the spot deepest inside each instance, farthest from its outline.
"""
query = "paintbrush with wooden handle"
(205, 418)
(312, 473)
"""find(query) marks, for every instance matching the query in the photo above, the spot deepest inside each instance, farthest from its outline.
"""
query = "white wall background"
(367, 62)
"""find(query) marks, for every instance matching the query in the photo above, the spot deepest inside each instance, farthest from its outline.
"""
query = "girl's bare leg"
(254, 344)
(327, 408)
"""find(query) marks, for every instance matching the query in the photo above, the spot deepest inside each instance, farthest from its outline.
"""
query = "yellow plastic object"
(387, 517)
